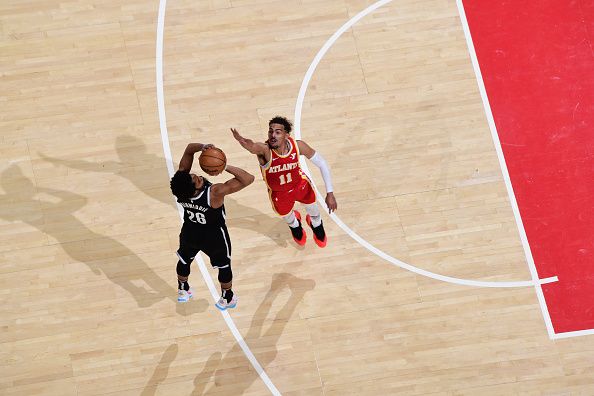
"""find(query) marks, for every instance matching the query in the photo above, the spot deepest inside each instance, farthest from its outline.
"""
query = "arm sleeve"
(320, 162)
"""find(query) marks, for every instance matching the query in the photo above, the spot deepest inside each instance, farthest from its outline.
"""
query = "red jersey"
(282, 172)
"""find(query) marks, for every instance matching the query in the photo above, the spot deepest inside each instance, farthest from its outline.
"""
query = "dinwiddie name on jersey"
(192, 206)
(283, 167)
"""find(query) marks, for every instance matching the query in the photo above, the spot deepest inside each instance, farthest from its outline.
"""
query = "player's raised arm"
(241, 180)
(185, 164)
(321, 163)
(249, 144)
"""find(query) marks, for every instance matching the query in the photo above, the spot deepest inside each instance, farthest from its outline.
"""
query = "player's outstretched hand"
(247, 144)
(237, 136)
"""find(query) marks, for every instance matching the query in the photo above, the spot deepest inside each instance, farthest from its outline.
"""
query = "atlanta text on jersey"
(283, 167)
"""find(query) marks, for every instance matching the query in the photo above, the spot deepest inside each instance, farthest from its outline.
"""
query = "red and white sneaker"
(319, 233)
(298, 232)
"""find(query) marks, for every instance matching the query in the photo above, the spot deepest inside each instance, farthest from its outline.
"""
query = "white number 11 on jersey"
(282, 179)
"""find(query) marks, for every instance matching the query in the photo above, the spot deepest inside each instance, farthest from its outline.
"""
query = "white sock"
(291, 220)
(314, 213)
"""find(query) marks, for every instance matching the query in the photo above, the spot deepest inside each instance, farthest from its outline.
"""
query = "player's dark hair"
(283, 121)
(182, 185)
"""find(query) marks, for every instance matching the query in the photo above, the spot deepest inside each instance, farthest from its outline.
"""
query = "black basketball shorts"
(214, 242)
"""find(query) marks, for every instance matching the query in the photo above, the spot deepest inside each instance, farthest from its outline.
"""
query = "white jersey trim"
(198, 196)
(226, 244)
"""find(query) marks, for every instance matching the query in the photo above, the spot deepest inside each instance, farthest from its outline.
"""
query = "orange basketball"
(213, 161)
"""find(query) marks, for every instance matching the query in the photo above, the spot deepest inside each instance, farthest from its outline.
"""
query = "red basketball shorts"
(283, 201)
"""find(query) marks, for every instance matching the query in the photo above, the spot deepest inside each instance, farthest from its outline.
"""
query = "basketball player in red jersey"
(279, 163)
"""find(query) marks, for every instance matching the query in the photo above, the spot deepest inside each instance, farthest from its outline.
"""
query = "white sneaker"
(222, 304)
(184, 296)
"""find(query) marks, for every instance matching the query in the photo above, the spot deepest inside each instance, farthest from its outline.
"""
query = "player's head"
(185, 185)
(278, 130)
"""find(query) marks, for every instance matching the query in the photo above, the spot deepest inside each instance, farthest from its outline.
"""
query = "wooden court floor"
(88, 227)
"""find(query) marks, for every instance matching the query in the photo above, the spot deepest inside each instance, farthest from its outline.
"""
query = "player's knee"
(312, 209)
(225, 274)
(183, 269)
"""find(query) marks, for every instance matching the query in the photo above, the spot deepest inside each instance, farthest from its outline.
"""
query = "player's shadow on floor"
(34, 205)
(273, 227)
(161, 370)
(133, 154)
(216, 368)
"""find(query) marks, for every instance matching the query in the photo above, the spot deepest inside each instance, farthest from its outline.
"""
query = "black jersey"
(199, 215)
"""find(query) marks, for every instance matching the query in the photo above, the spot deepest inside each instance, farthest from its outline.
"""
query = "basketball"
(213, 161)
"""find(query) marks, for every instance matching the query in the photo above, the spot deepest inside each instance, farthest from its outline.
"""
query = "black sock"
(183, 285)
(227, 295)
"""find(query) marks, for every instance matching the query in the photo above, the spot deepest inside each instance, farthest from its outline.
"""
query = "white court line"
(298, 110)
(569, 334)
(167, 152)
(506, 178)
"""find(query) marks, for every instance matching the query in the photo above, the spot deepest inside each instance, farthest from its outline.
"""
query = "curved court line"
(167, 152)
(298, 110)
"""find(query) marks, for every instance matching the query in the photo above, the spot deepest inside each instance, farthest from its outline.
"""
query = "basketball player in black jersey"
(204, 227)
